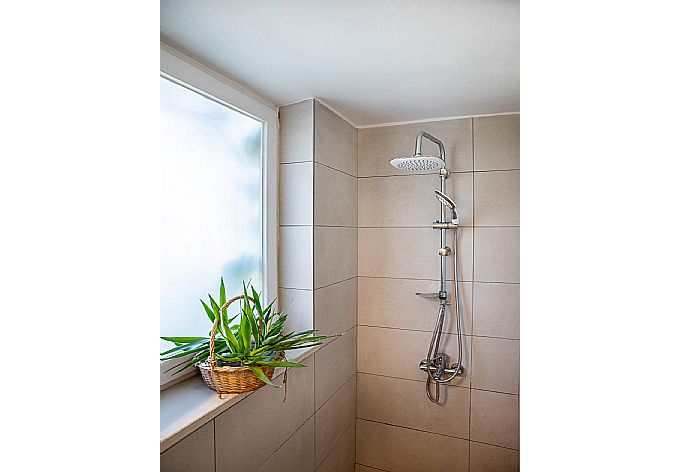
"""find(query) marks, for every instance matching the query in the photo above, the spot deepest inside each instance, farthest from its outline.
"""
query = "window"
(217, 193)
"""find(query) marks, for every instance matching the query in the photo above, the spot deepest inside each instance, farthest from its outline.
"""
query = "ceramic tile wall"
(335, 289)
(318, 264)
(260, 433)
(398, 429)
(296, 215)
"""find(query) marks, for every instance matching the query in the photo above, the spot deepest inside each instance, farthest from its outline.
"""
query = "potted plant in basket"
(240, 356)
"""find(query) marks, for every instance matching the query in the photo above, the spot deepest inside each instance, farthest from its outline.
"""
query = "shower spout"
(433, 139)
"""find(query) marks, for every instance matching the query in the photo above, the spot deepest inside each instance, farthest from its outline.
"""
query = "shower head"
(418, 162)
(448, 202)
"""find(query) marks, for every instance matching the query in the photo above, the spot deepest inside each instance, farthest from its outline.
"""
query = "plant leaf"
(209, 312)
(216, 308)
(259, 373)
(182, 339)
(221, 296)
(280, 363)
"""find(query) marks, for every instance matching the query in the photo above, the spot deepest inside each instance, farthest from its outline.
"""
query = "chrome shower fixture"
(448, 202)
(419, 161)
(437, 364)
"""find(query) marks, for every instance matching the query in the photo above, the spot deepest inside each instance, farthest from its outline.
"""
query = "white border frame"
(180, 67)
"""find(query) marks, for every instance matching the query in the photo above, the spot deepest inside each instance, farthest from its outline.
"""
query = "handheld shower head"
(448, 202)
(418, 162)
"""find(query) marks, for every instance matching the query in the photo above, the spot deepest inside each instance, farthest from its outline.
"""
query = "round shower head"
(418, 162)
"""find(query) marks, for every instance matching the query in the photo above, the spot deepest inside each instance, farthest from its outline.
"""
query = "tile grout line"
(356, 287)
(327, 343)
(402, 378)
(433, 280)
(422, 226)
(370, 467)
(336, 226)
(480, 171)
(298, 225)
(342, 435)
(451, 385)
(338, 390)
(335, 283)
(294, 162)
(474, 237)
(438, 434)
(410, 175)
(337, 170)
(413, 429)
(284, 442)
(313, 261)
(427, 280)
(443, 332)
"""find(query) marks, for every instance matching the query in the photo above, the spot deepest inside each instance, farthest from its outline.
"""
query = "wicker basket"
(228, 379)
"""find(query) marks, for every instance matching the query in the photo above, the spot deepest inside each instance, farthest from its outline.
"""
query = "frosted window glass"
(211, 224)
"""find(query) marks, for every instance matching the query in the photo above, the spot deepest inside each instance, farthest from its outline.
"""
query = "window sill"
(189, 404)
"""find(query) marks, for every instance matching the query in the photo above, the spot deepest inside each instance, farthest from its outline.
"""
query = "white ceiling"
(373, 61)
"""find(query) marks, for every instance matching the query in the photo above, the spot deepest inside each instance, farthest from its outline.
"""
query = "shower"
(437, 364)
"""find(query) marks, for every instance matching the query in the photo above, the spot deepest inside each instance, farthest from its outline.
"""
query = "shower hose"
(436, 337)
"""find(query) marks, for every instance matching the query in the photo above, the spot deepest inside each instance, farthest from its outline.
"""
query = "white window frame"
(185, 70)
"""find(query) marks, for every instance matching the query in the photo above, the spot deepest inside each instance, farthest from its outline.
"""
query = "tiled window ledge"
(186, 406)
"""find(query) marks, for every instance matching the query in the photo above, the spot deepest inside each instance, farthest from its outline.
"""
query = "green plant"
(256, 340)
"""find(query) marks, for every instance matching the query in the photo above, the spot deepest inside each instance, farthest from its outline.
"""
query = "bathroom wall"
(318, 264)
(314, 429)
(475, 426)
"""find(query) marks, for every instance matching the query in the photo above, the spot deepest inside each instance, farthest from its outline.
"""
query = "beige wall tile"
(494, 419)
(342, 457)
(404, 403)
(496, 364)
(392, 303)
(194, 452)
(409, 200)
(267, 422)
(408, 253)
(296, 454)
(496, 310)
(364, 468)
(335, 141)
(297, 132)
(296, 194)
(298, 305)
(335, 307)
(398, 449)
(335, 363)
(334, 417)
(295, 257)
(485, 458)
(497, 254)
(397, 353)
(335, 250)
(377, 146)
(335, 197)
(497, 142)
(497, 198)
